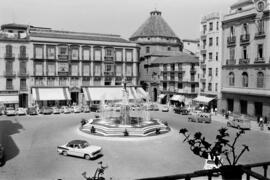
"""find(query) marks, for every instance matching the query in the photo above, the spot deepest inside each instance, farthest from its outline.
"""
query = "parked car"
(181, 110)
(46, 110)
(240, 122)
(65, 110)
(10, 111)
(94, 107)
(56, 110)
(210, 163)
(155, 107)
(76, 109)
(200, 117)
(21, 111)
(80, 148)
(2, 155)
(86, 109)
(32, 111)
(165, 109)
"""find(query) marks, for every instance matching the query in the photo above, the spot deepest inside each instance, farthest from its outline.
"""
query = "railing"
(62, 57)
(23, 88)
(108, 58)
(246, 169)
(23, 74)
(23, 56)
(230, 62)
(63, 73)
(244, 38)
(260, 35)
(259, 60)
(108, 73)
(38, 73)
(10, 87)
(9, 73)
(9, 56)
(244, 61)
(231, 41)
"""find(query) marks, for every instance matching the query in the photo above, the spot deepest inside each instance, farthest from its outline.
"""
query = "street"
(30, 143)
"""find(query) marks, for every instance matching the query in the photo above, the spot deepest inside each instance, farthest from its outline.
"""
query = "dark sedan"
(46, 110)
(32, 111)
(180, 110)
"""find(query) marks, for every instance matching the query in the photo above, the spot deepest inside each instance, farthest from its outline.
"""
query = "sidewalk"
(254, 124)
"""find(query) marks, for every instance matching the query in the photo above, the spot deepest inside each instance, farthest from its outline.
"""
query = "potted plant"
(220, 149)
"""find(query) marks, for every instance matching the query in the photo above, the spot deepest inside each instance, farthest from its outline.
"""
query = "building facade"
(191, 46)
(210, 56)
(158, 46)
(50, 67)
(246, 58)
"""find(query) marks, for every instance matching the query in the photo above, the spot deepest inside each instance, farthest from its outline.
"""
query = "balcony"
(74, 74)
(23, 88)
(259, 35)
(165, 69)
(203, 51)
(86, 74)
(23, 74)
(10, 74)
(108, 59)
(9, 87)
(192, 70)
(63, 73)
(108, 73)
(62, 57)
(230, 62)
(50, 73)
(244, 61)
(244, 39)
(259, 61)
(231, 41)
(38, 73)
(23, 56)
(203, 79)
(9, 56)
(203, 65)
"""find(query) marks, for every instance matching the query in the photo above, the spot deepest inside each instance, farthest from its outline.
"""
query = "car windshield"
(210, 162)
(84, 145)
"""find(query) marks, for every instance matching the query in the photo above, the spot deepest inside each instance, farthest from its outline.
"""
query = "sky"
(122, 17)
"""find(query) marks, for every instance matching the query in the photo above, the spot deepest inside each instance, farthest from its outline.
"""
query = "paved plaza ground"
(31, 142)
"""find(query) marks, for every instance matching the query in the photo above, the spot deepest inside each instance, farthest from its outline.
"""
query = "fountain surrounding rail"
(124, 118)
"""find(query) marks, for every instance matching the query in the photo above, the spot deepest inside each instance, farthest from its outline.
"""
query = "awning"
(161, 96)
(50, 94)
(203, 99)
(9, 99)
(98, 94)
(178, 98)
(141, 93)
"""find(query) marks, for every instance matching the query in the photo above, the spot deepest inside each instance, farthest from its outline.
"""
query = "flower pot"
(231, 172)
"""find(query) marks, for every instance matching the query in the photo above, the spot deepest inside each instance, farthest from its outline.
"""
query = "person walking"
(261, 123)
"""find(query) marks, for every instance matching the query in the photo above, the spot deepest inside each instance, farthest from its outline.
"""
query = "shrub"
(126, 133)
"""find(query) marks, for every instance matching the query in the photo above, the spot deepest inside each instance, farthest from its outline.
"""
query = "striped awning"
(203, 99)
(178, 98)
(161, 96)
(9, 99)
(50, 94)
(141, 93)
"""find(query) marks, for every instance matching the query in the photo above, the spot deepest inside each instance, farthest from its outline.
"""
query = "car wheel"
(64, 153)
(87, 157)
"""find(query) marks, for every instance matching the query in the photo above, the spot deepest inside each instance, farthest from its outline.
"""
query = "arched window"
(231, 79)
(260, 80)
(245, 79)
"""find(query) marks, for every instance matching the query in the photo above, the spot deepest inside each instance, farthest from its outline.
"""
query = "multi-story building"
(49, 67)
(160, 46)
(246, 58)
(191, 46)
(210, 58)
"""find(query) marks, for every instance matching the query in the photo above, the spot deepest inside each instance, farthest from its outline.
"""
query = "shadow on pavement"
(7, 129)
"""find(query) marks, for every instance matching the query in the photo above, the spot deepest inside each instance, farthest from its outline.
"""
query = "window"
(119, 56)
(62, 81)
(180, 76)
(9, 84)
(209, 86)
(216, 71)
(86, 53)
(8, 50)
(204, 72)
(204, 57)
(74, 81)
(129, 70)
(38, 69)
(172, 67)
(180, 86)
(38, 52)
(119, 70)
(232, 53)
(204, 44)
(245, 28)
(216, 87)
(210, 26)
(209, 71)
(243, 106)
(231, 31)
(217, 26)
(216, 41)
(172, 76)
(129, 54)
(51, 69)
(9, 67)
(260, 51)
(108, 52)
(245, 79)
(260, 80)
(22, 67)
(75, 53)
(97, 54)
(39, 81)
(216, 56)
(86, 70)
(244, 55)
(22, 51)
(210, 56)
(147, 49)
(169, 48)
(63, 50)
(50, 81)
(97, 70)
(210, 41)
(23, 84)
(109, 68)
(204, 29)
(231, 79)
(260, 26)
(51, 52)
(86, 81)
(74, 70)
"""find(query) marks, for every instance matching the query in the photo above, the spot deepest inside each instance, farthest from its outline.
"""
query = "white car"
(165, 109)
(21, 111)
(80, 148)
(65, 110)
(10, 111)
(77, 109)
(210, 163)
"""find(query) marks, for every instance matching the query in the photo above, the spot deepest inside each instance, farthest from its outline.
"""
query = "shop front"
(205, 103)
(8, 100)
(51, 96)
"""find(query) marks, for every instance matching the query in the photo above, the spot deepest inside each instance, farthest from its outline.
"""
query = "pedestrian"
(261, 122)
(265, 120)
(258, 120)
